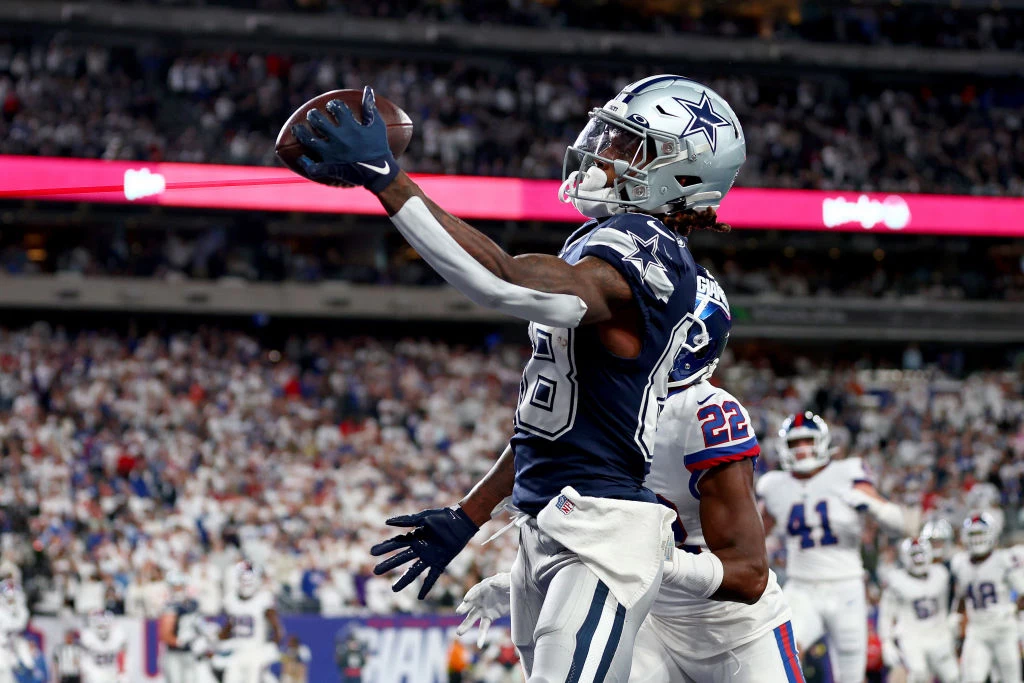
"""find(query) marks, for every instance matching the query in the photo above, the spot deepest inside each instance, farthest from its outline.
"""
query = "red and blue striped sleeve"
(717, 455)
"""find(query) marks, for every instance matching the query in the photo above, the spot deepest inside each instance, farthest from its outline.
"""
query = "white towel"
(622, 541)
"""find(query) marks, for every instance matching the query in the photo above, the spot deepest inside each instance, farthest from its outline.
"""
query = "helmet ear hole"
(688, 180)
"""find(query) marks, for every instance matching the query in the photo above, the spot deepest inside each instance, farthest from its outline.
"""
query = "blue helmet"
(706, 340)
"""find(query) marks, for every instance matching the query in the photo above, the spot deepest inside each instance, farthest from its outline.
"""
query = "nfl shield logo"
(565, 505)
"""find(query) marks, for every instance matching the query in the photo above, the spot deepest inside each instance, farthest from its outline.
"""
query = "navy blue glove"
(350, 152)
(439, 536)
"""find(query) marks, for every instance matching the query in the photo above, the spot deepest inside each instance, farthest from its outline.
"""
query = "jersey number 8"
(547, 395)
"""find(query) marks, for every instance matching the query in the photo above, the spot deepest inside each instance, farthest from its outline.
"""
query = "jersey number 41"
(797, 525)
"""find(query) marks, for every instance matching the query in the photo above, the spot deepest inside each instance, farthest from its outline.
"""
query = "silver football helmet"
(940, 534)
(670, 143)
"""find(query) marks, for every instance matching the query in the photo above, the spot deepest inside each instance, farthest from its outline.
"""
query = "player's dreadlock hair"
(687, 221)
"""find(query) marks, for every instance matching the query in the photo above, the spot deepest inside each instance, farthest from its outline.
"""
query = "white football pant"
(565, 622)
(771, 658)
(927, 656)
(179, 666)
(247, 663)
(839, 610)
(988, 650)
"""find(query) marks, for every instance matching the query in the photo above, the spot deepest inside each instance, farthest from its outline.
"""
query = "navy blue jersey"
(586, 418)
(186, 622)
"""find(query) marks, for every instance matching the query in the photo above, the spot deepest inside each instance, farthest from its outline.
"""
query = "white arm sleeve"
(698, 574)
(429, 238)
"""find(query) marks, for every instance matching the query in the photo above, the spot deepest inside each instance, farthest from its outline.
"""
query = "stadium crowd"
(490, 118)
(125, 458)
(248, 254)
(927, 24)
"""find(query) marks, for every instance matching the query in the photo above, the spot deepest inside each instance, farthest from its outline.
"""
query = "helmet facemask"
(916, 556)
(978, 537)
(804, 448)
(630, 150)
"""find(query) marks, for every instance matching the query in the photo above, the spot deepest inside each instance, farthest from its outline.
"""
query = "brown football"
(398, 122)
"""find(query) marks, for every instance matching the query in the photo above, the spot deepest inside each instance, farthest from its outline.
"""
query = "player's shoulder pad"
(857, 470)
(647, 253)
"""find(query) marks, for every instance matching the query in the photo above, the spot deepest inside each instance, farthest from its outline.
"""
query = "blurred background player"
(913, 617)
(295, 659)
(942, 539)
(720, 615)
(585, 424)
(178, 630)
(14, 618)
(104, 647)
(815, 501)
(253, 629)
(350, 656)
(986, 579)
(984, 497)
(67, 659)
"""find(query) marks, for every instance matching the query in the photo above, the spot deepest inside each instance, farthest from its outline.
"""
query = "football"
(398, 122)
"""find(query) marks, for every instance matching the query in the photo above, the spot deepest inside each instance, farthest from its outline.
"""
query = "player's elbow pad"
(429, 238)
(699, 575)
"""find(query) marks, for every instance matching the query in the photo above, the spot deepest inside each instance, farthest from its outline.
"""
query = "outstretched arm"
(539, 288)
(531, 286)
(895, 518)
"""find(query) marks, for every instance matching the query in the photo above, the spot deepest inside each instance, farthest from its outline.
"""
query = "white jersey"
(13, 620)
(823, 533)
(249, 617)
(916, 604)
(986, 587)
(700, 427)
(100, 660)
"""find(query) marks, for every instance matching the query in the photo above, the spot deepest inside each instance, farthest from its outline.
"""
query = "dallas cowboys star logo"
(645, 254)
(704, 120)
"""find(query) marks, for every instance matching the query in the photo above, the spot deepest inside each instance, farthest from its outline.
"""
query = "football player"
(720, 615)
(253, 628)
(817, 502)
(940, 536)
(104, 646)
(608, 317)
(178, 630)
(913, 617)
(985, 578)
(14, 618)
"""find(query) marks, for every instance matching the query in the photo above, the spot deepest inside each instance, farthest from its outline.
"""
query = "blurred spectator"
(295, 459)
(497, 118)
(882, 23)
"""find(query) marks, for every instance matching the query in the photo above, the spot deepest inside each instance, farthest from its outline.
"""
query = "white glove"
(488, 600)
(891, 654)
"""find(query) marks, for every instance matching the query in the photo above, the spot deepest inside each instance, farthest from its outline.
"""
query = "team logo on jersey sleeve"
(644, 255)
